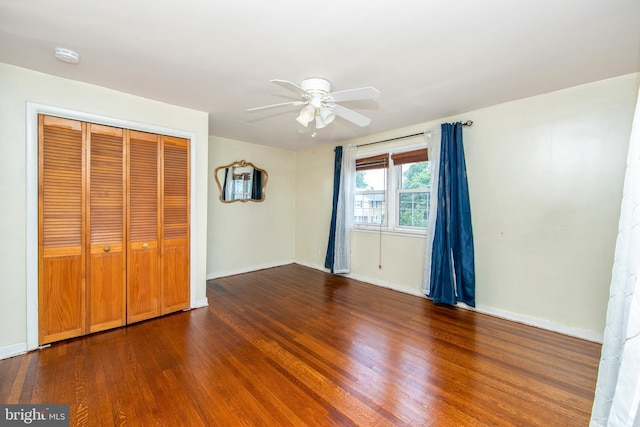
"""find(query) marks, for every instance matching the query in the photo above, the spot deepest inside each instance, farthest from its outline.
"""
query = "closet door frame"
(32, 230)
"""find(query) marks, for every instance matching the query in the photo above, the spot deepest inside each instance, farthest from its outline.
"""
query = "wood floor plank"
(18, 372)
(294, 346)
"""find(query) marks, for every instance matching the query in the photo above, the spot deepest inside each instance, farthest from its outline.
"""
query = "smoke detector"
(66, 55)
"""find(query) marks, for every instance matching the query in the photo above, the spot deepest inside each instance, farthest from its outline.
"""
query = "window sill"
(392, 231)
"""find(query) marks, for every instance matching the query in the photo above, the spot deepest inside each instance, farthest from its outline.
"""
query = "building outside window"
(370, 207)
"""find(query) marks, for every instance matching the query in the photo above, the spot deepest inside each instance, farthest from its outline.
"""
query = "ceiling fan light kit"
(319, 103)
(307, 114)
(325, 116)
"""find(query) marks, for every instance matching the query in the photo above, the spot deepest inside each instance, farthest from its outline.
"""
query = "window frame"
(366, 163)
(392, 194)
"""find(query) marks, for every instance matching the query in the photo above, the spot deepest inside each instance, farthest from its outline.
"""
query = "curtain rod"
(467, 123)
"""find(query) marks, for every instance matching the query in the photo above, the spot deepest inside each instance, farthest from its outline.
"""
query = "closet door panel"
(107, 301)
(175, 226)
(175, 275)
(62, 312)
(106, 284)
(61, 288)
(143, 271)
(144, 280)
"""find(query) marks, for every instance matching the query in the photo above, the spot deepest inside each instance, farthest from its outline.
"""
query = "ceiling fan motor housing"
(316, 86)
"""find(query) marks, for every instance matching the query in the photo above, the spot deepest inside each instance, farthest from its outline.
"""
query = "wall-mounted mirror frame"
(241, 181)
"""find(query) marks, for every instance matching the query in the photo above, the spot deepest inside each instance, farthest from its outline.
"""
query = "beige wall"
(19, 86)
(545, 177)
(249, 236)
(313, 194)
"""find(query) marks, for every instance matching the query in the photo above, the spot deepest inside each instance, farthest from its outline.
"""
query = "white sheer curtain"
(433, 147)
(618, 388)
(229, 184)
(344, 218)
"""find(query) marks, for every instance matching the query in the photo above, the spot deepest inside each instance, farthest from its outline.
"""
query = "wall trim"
(537, 322)
(203, 302)
(242, 270)
(13, 350)
(385, 284)
(380, 283)
(31, 152)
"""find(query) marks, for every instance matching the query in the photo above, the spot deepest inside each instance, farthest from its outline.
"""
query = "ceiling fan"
(320, 104)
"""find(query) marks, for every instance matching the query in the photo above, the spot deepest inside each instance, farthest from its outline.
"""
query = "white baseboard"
(13, 350)
(384, 284)
(584, 334)
(248, 269)
(310, 265)
(369, 280)
(572, 331)
(203, 302)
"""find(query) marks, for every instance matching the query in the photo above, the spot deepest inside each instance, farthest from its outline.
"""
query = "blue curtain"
(256, 189)
(329, 260)
(225, 196)
(452, 260)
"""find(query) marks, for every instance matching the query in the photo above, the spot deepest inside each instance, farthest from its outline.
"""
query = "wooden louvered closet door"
(113, 235)
(106, 267)
(143, 289)
(61, 261)
(175, 226)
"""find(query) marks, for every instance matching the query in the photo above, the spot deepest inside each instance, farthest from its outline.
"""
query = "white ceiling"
(430, 59)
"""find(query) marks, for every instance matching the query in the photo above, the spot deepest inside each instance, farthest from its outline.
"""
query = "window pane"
(413, 209)
(369, 208)
(415, 175)
(370, 180)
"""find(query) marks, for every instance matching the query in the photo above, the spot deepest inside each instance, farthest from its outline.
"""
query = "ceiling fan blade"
(284, 104)
(351, 115)
(355, 94)
(290, 86)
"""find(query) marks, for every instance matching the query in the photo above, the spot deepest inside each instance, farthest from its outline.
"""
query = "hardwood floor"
(295, 346)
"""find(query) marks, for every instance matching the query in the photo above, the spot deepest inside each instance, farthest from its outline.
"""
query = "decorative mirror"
(241, 182)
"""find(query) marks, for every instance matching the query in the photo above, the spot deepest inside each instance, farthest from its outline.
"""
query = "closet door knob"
(144, 246)
(106, 248)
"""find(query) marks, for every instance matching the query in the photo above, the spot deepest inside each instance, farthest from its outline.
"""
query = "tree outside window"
(414, 194)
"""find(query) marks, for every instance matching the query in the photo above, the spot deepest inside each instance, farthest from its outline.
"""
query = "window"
(370, 190)
(414, 194)
(408, 174)
(413, 187)
(242, 183)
